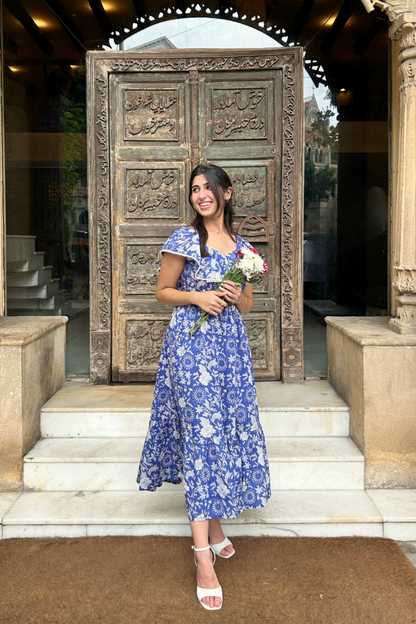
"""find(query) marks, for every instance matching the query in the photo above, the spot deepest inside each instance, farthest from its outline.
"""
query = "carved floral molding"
(393, 8)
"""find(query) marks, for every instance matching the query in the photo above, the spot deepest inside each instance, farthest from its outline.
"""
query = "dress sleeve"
(181, 243)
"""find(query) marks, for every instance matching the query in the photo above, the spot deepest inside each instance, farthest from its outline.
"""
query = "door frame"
(99, 67)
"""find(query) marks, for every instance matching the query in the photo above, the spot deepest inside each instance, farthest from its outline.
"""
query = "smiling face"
(204, 199)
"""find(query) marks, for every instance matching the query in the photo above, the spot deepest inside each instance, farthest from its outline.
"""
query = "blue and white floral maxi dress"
(204, 426)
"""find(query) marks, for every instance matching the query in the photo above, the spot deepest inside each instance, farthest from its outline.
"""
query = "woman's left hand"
(232, 293)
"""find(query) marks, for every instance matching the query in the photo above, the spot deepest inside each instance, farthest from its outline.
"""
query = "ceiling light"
(109, 6)
(343, 89)
(14, 69)
(330, 20)
(40, 23)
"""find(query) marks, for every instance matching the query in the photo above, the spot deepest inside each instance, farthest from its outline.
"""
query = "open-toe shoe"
(217, 548)
(201, 592)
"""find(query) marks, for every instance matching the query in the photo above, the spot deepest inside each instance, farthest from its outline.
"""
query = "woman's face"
(203, 198)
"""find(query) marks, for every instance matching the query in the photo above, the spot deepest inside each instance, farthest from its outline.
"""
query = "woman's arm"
(166, 291)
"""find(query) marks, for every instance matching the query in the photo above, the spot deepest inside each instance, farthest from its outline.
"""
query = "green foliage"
(73, 126)
(318, 183)
(323, 133)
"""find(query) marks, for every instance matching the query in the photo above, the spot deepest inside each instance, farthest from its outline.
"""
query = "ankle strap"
(199, 549)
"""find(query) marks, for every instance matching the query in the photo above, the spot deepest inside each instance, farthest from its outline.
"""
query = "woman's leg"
(205, 574)
(216, 535)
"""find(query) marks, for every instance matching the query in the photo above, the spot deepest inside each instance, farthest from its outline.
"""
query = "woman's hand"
(210, 301)
(232, 293)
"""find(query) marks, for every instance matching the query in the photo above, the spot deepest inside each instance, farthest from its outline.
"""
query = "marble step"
(34, 292)
(31, 263)
(78, 514)
(64, 464)
(19, 248)
(29, 278)
(83, 410)
(128, 423)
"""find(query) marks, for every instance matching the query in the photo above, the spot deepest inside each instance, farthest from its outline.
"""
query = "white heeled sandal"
(217, 548)
(205, 593)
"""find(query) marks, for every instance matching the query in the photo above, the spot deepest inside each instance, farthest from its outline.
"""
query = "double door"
(161, 124)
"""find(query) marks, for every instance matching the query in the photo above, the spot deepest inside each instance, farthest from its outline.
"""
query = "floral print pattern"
(204, 426)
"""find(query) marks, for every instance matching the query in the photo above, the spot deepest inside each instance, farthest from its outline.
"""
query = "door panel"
(149, 169)
(239, 133)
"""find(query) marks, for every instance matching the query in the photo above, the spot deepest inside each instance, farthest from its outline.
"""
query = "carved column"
(404, 30)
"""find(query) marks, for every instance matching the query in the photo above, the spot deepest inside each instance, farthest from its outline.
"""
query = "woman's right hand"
(210, 301)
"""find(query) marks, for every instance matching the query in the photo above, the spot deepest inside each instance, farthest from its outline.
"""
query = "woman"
(204, 426)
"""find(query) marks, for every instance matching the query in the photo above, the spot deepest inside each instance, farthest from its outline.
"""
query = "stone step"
(36, 312)
(64, 464)
(34, 292)
(118, 424)
(83, 410)
(19, 248)
(50, 303)
(29, 278)
(32, 263)
(78, 514)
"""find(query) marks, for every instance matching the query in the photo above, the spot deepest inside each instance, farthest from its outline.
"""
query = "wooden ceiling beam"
(22, 16)
(369, 33)
(139, 8)
(301, 19)
(181, 5)
(101, 17)
(67, 24)
(10, 44)
(342, 18)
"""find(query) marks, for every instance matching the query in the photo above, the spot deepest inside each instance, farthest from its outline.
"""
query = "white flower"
(223, 490)
(199, 464)
(181, 351)
(204, 377)
(207, 429)
(182, 402)
(244, 435)
(145, 482)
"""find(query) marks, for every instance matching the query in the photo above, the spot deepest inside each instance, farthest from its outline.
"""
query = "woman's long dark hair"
(219, 182)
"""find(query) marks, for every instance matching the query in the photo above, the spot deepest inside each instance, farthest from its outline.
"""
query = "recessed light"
(40, 23)
(330, 20)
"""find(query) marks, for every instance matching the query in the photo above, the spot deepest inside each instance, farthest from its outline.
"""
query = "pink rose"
(265, 268)
(254, 250)
(240, 253)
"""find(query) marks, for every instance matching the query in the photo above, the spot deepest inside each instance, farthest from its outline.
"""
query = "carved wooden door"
(166, 115)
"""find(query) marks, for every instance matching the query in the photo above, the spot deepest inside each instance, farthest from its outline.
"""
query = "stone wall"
(374, 370)
(32, 369)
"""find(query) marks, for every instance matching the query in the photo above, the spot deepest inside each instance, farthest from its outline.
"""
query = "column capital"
(394, 8)
(403, 30)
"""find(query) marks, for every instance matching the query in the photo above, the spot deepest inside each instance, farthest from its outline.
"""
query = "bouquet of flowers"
(247, 269)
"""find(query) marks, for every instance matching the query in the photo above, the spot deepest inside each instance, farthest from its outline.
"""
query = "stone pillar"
(404, 282)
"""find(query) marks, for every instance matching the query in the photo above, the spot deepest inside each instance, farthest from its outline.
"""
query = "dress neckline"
(217, 250)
